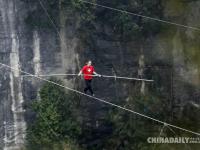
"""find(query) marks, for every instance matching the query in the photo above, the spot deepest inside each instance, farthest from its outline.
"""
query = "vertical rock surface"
(13, 120)
(37, 51)
(44, 51)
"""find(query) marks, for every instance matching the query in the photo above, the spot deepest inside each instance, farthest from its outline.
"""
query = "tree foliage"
(129, 26)
(56, 125)
(130, 131)
(55, 121)
(124, 25)
(85, 11)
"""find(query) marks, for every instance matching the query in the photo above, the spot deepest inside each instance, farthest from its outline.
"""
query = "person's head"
(89, 63)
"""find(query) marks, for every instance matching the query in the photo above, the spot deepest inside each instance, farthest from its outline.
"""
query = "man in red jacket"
(88, 72)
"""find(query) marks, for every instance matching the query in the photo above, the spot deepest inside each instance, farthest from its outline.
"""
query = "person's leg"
(86, 86)
(90, 86)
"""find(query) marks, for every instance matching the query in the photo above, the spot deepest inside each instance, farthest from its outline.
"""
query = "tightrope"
(103, 101)
(102, 76)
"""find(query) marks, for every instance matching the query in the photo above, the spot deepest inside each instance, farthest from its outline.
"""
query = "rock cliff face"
(180, 48)
(34, 51)
(174, 54)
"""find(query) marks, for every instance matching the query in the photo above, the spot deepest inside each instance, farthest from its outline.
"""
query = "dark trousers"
(88, 86)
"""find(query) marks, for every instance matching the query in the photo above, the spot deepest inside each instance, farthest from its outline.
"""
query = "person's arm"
(96, 74)
(80, 73)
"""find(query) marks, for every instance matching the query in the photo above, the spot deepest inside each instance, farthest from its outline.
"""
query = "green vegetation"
(58, 125)
(37, 15)
(55, 123)
(58, 122)
(85, 11)
(125, 27)
(128, 26)
(131, 131)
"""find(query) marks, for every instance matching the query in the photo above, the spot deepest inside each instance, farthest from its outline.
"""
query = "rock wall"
(179, 47)
(32, 50)
(173, 54)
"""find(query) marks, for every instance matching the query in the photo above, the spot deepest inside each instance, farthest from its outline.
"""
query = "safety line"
(48, 15)
(147, 17)
(102, 76)
(103, 101)
(186, 144)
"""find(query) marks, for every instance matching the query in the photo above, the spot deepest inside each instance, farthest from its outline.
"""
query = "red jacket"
(88, 72)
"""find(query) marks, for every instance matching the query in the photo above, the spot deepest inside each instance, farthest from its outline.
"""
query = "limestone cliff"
(173, 56)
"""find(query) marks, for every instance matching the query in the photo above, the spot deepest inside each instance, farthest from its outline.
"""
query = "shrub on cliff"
(54, 122)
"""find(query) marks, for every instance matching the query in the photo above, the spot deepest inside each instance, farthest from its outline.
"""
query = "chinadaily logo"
(173, 140)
